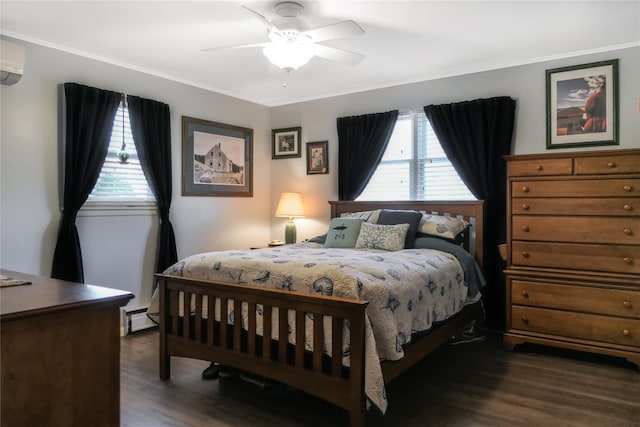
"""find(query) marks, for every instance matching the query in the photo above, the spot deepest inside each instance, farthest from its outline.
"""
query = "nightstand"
(269, 245)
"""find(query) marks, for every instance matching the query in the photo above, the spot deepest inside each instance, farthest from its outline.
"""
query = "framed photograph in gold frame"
(582, 105)
(317, 157)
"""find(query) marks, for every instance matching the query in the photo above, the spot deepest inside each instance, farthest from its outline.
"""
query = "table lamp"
(290, 206)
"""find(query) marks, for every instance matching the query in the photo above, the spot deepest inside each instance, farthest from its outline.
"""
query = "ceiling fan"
(292, 43)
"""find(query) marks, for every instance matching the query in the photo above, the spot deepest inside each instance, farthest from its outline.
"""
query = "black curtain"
(88, 119)
(151, 129)
(476, 135)
(362, 141)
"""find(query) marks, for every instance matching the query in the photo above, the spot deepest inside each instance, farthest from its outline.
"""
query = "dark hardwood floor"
(471, 384)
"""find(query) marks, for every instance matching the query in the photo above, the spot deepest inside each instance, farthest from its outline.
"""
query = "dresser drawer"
(577, 206)
(577, 229)
(607, 164)
(613, 259)
(540, 167)
(605, 329)
(577, 188)
(613, 302)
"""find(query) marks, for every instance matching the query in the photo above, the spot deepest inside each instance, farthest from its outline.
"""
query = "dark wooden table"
(60, 353)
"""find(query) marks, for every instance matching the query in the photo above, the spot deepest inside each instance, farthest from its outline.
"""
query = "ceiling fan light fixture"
(289, 54)
(292, 43)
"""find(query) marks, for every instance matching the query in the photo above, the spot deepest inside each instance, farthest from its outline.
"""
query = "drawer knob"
(539, 167)
(628, 231)
(525, 206)
(627, 207)
(627, 260)
(525, 228)
(525, 294)
(626, 332)
(611, 165)
(627, 188)
(525, 254)
(525, 189)
(525, 319)
(626, 304)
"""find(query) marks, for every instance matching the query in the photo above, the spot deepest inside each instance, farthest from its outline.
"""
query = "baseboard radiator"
(134, 321)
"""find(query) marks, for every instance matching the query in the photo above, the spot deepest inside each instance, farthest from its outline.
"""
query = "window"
(122, 183)
(414, 166)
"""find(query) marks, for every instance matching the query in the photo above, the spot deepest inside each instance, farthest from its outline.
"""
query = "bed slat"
(267, 318)
(300, 338)
(211, 311)
(224, 315)
(237, 324)
(318, 340)
(186, 309)
(283, 336)
(336, 345)
(173, 309)
(251, 329)
(198, 317)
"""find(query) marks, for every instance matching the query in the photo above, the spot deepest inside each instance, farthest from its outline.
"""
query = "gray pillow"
(318, 239)
(393, 217)
(379, 236)
(368, 216)
(343, 233)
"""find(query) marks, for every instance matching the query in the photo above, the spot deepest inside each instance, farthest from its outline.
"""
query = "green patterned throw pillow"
(343, 232)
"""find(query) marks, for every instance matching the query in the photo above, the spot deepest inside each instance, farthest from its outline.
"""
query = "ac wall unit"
(11, 62)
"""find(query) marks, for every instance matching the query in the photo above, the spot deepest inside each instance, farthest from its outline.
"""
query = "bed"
(344, 354)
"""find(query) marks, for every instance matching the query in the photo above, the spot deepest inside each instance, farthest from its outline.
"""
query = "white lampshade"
(290, 206)
(289, 54)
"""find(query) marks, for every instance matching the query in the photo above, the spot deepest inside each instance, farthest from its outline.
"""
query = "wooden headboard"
(469, 210)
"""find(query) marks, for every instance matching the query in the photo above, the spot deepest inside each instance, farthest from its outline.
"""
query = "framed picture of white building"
(217, 159)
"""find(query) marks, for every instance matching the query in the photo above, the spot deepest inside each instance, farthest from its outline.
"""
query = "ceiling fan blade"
(264, 20)
(243, 46)
(335, 31)
(338, 55)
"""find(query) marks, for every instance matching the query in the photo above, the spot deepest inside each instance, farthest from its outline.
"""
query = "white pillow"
(445, 227)
(385, 237)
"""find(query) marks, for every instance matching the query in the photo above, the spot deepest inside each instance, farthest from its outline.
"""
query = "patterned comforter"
(407, 290)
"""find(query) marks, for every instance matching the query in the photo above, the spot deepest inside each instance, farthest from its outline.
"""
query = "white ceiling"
(405, 41)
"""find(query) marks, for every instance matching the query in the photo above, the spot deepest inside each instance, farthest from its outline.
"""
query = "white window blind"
(121, 178)
(414, 166)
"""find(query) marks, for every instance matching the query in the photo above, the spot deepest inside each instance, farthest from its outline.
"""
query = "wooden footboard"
(203, 337)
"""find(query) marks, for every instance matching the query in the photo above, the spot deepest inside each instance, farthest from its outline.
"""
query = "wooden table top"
(45, 295)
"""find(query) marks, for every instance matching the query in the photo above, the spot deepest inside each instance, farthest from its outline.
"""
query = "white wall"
(525, 83)
(119, 252)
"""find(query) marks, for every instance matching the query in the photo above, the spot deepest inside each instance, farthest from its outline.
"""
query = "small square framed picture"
(317, 157)
(286, 143)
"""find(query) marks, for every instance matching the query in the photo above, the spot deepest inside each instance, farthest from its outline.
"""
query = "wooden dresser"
(60, 359)
(573, 251)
